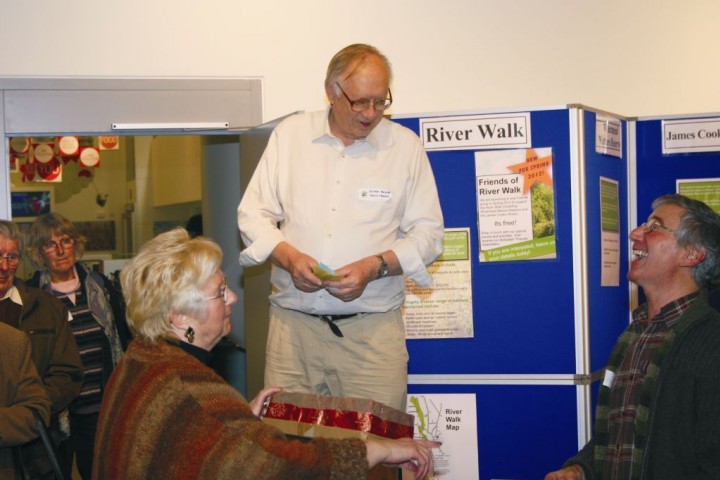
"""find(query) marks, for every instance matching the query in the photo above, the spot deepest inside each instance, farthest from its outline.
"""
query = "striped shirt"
(628, 382)
(94, 351)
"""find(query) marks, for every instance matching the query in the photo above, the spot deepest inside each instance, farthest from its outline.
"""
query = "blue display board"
(607, 306)
(523, 431)
(524, 311)
(657, 173)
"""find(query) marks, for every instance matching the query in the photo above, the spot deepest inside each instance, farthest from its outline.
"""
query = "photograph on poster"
(443, 310)
(515, 204)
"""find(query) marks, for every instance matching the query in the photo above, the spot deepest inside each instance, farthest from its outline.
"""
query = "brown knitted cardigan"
(165, 415)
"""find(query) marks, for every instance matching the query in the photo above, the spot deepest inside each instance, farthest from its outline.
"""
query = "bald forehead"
(369, 63)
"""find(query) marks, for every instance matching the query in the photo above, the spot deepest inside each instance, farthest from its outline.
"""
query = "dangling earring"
(190, 335)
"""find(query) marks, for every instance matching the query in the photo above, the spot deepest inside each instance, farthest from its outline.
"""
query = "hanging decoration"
(89, 157)
(41, 159)
(68, 148)
(109, 142)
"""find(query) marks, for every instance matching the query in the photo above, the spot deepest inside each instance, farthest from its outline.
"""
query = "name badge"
(609, 378)
(374, 195)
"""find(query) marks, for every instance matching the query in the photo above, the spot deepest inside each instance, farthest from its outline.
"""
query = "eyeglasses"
(52, 245)
(362, 104)
(654, 224)
(222, 293)
(12, 259)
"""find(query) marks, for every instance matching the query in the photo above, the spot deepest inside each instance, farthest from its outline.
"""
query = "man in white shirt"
(347, 189)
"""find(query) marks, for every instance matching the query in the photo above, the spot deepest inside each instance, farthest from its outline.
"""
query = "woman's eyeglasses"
(222, 293)
(52, 245)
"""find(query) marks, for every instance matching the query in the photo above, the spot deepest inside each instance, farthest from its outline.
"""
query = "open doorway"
(124, 193)
(202, 118)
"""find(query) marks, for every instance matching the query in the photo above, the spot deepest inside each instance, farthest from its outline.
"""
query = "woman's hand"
(412, 455)
(260, 402)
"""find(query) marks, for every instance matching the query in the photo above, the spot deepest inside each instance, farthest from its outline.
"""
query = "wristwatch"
(384, 268)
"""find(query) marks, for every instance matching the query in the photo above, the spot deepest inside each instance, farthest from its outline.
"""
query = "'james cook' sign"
(691, 135)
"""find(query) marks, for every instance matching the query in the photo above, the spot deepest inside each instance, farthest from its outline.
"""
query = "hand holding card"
(323, 272)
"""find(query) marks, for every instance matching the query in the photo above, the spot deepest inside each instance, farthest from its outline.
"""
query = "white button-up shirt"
(339, 204)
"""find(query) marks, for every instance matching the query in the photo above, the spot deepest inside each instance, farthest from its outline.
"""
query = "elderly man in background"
(22, 394)
(347, 189)
(45, 321)
(658, 409)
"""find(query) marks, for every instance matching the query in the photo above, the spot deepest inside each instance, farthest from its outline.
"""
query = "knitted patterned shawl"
(165, 415)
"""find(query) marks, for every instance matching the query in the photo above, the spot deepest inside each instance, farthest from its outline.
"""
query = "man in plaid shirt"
(658, 411)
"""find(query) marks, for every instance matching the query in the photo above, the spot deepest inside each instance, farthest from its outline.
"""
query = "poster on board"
(515, 204)
(707, 190)
(610, 232)
(452, 420)
(445, 309)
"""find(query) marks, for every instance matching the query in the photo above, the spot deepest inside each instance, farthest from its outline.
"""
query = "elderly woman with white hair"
(166, 414)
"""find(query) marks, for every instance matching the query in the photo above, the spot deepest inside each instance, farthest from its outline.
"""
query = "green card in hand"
(323, 272)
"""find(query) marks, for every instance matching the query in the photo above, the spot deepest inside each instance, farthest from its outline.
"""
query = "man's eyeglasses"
(12, 259)
(52, 245)
(222, 293)
(654, 224)
(362, 104)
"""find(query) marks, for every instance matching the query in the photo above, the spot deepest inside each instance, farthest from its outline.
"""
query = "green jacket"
(678, 419)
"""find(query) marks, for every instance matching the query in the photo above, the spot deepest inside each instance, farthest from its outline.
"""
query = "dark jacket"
(680, 436)
(44, 319)
(21, 392)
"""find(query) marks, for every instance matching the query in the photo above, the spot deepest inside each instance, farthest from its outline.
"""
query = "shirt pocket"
(369, 209)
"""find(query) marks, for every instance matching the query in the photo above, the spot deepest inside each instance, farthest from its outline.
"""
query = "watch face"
(384, 268)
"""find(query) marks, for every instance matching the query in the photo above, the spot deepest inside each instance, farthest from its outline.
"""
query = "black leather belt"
(331, 319)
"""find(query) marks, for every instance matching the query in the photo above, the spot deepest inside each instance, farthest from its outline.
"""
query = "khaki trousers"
(369, 361)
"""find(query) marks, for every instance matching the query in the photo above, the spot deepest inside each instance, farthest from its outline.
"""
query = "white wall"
(635, 58)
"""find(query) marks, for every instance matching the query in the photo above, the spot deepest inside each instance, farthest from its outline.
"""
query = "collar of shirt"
(378, 139)
(13, 295)
(669, 313)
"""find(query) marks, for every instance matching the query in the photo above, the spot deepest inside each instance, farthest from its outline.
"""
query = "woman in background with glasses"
(98, 323)
(166, 414)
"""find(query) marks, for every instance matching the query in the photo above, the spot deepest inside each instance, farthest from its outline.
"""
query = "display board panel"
(523, 310)
(523, 431)
(657, 173)
(607, 305)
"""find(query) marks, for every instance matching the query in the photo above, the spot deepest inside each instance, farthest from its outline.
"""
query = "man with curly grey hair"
(658, 409)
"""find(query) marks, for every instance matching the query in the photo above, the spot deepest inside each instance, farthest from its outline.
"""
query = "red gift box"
(310, 415)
